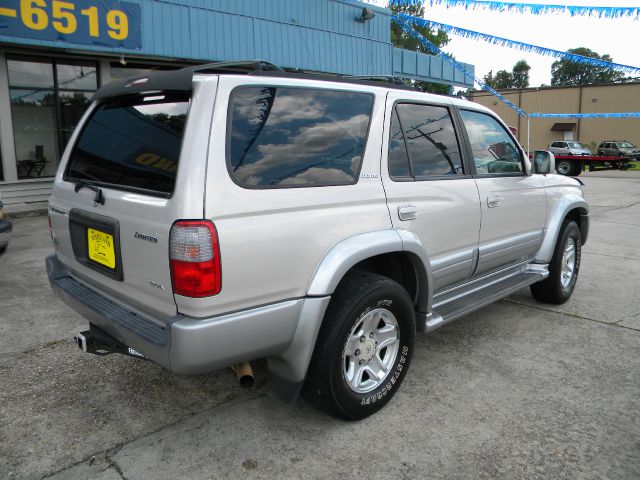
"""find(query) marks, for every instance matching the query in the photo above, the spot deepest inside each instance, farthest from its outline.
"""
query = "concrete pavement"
(517, 390)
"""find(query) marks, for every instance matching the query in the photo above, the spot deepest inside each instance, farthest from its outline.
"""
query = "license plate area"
(95, 240)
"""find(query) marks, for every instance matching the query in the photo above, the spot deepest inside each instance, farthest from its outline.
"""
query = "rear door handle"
(493, 202)
(407, 212)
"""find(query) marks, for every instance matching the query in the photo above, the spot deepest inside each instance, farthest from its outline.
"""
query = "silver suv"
(568, 148)
(207, 217)
(614, 148)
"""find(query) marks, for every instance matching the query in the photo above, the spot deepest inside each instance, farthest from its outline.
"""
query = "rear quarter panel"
(272, 241)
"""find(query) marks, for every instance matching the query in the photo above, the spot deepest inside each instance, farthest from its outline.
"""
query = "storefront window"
(48, 98)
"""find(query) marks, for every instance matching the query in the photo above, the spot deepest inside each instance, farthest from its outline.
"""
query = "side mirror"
(544, 162)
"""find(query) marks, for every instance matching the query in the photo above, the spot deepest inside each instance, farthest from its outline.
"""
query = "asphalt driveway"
(518, 390)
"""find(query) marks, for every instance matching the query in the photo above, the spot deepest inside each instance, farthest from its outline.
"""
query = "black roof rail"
(182, 80)
(251, 67)
(380, 78)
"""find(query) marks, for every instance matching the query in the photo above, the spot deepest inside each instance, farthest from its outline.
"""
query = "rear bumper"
(183, 344)
(5, 233)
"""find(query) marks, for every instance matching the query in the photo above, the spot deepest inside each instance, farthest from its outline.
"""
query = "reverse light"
(194, 256)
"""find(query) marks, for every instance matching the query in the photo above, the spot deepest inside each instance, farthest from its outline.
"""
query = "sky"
(617, 37)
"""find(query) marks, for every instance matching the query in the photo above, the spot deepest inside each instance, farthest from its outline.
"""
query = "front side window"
(422, 142)
(132, 143)
(494, 151)
(283, 137)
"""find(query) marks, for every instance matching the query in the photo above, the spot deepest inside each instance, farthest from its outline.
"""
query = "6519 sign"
(97, 22)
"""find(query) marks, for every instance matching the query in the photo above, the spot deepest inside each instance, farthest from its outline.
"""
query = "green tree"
(503, 79)
(566, 72)
(520, 74)
(518, 77)
(401, 39)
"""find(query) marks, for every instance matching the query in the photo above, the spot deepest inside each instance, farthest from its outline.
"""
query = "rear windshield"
(132, 143)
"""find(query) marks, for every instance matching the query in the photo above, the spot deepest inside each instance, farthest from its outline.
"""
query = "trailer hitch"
(100, 343)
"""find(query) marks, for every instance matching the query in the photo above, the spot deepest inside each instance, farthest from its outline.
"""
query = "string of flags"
(533, 8)
(407, 22)
(463, 32)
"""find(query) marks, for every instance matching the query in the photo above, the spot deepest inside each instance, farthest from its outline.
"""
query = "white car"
(568, 148)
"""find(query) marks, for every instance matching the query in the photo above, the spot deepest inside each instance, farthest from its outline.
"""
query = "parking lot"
(517, 390)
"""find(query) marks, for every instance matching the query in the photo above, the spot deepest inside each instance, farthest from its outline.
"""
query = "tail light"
(194, 255)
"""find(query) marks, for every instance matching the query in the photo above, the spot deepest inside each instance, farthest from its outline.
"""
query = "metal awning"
(563, 127)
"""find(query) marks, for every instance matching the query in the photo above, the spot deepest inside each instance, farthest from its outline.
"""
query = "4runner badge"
(148, 238)
(369, 175)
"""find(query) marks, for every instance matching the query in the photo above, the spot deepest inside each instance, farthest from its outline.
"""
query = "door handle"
(407, 212)
(493, 202)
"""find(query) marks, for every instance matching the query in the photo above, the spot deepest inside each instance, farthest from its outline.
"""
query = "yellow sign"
(102, 22)
(101, 248)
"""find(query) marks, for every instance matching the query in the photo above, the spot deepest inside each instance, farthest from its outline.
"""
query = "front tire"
(364, 348)
(563, 269)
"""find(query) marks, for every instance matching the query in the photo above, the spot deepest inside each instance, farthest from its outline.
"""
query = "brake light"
(194, 255)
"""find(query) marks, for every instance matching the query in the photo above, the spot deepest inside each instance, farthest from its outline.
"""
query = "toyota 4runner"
(230, 212)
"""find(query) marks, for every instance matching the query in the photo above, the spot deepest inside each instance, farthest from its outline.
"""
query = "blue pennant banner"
(586, 115)
(439, 53)
(505, 42)
(534, 8)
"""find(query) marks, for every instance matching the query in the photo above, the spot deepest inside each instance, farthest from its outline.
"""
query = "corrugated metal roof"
(319, 35)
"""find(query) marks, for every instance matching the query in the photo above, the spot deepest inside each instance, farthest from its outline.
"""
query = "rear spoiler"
(179, 80)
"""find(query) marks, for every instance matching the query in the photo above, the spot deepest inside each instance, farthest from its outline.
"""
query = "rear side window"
(281, 137)
(422, 142)
(132, 143)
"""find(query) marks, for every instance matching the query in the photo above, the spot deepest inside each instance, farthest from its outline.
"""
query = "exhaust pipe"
(244, 374)
(81, 342)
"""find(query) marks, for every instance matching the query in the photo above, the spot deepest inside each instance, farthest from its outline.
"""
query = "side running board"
(467, 298)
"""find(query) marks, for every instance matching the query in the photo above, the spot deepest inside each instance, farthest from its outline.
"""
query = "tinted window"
(398, 159)
(294, 137)
(132, 143)
(430, 139)
(422, 142)
(494, 152)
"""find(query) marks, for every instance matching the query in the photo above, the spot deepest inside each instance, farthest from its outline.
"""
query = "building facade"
(55, 54)
(606, 98)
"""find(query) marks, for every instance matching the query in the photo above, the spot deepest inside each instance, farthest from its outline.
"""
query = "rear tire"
(577, 169)
(364, 348)
(563, 268)
(564, 167)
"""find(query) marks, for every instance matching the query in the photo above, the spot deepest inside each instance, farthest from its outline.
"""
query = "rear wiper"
(99, 196)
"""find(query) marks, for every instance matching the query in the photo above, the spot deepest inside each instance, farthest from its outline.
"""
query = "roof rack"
(379, 78)
(181, 80)
(250, 67)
